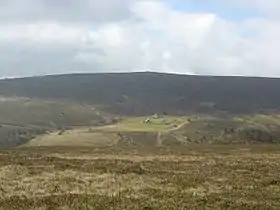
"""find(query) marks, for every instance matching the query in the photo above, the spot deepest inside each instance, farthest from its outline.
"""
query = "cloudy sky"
(216, 37)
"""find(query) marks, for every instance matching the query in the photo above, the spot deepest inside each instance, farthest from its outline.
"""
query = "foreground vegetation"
(204, 177)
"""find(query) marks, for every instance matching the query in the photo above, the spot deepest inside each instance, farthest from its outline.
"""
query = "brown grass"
(217, 177)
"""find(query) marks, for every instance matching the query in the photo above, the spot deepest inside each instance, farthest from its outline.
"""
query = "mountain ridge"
(142, 93)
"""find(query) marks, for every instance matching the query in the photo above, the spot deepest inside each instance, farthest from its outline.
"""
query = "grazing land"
(168, 131)
(198, 177)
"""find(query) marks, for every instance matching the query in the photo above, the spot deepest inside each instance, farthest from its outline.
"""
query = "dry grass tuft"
(193, 178)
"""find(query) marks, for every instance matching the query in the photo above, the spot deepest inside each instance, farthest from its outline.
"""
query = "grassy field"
(205, 177)
(155, 124)
(169, 131)
(76, 137)
(168, 163)
(132, 128)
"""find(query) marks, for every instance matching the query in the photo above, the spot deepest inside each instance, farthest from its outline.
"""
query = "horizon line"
(131, 72)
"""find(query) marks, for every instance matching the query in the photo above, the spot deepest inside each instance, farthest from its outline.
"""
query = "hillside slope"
(22, 119)
(147, 93)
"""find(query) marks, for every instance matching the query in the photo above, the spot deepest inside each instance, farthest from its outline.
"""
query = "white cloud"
(43, 32)
(136, 35)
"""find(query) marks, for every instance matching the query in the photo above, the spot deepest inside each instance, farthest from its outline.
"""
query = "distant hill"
(148, 93)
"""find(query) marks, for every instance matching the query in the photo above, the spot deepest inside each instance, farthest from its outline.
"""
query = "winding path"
(159, 134)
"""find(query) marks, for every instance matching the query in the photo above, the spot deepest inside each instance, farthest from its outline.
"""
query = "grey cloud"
(22, 60)
(64, 10)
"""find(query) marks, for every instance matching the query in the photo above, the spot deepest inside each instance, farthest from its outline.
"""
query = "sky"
(202, 37)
